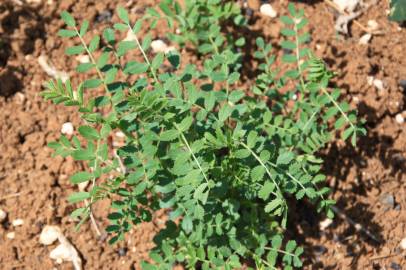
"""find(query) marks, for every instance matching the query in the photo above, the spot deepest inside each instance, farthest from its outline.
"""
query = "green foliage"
(398, 10)
(200, 23)
(223, 163)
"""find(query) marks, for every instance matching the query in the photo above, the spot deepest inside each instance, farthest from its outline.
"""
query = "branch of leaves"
(293, 52)
(59, 92)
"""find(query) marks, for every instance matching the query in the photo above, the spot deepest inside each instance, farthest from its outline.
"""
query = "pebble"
(402, 244)
(17, 222)
(159, 45)
(395, 266)
(20, 97)
(370, 80)
(82, 186)
(319, 250)
(388, 200)
(33, 1)
(347, 5)
(378, 84)
(83, 58)
(399, 118)
(402, 84)
(67, 128)
(372, 25)
(122, 251)
(364, 40)
(104, 16)
(325, 223)
(49, 234)
(120, 134)
(130, 36)
(3, 215)
(268, 10)
(11, 235)
(66, 252)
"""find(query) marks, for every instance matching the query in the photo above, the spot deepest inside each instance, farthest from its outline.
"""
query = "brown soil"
(34, 186)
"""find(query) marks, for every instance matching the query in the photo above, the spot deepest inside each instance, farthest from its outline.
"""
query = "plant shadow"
(344, 162)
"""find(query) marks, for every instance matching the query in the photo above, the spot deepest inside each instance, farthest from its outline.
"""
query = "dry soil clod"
(65, 251)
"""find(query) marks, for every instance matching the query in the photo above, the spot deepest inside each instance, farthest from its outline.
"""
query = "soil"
(368, 181)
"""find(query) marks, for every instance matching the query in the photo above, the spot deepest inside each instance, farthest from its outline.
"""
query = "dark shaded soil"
(34, 186)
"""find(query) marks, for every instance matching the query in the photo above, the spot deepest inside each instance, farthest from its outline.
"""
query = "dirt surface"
(368, 182)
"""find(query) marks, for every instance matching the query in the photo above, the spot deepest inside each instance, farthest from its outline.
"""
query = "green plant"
(201, 22)
(223, 162)
(397, 10)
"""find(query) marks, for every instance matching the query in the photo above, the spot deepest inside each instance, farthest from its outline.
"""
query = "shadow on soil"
(20, 26)
(340, 162)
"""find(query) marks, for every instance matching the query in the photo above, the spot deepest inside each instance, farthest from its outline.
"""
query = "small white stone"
(379, 84)
(372, 25)
(370, 80)
(268, 10)
(11, 235)
(17, 222)
(67, 128)
(49, 234)
(325, 223)
(83, 58)
(399, 118)
(347, 5)
(20, 97)
(66, 252)
(120, 134)
(82, 186)
(159, 45)
(364, 40)
(3, 215)
(403, 244)
(130, 36)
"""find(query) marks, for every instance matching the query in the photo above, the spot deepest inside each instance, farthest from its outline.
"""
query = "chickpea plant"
(222, 161)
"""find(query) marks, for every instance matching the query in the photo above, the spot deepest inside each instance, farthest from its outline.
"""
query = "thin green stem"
(144, 55)
(280, 251)
(191, 152)
(288, 174)
(338, 107)
(216, 50)
(299, 68)
(101, 77)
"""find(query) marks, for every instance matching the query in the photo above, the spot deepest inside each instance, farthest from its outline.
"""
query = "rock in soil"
(402, 244)
(3, 215)
(268, 10)
(17, 222)
(395, 266)
(11, 235)
(49, 234)
(388, 200)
